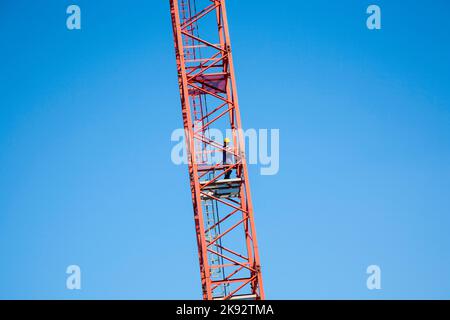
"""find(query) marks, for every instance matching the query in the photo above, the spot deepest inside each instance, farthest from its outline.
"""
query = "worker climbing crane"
(223, 212)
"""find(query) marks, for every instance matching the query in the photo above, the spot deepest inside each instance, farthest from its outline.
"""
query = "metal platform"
(226, 188)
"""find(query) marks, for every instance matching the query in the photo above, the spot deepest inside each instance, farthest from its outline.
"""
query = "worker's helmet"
(227, 140)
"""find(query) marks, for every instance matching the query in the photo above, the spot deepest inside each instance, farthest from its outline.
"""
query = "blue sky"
(86, 176)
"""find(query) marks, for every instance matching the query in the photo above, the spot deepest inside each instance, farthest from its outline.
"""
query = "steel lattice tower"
(223, 213)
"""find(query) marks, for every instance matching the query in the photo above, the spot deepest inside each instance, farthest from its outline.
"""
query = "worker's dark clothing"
(227, 159)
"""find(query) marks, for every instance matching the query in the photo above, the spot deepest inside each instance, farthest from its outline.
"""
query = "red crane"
(223, 213)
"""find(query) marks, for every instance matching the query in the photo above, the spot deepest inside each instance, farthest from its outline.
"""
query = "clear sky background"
(364, 116)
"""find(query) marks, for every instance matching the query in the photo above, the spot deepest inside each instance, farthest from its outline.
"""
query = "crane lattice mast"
(223, 213)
